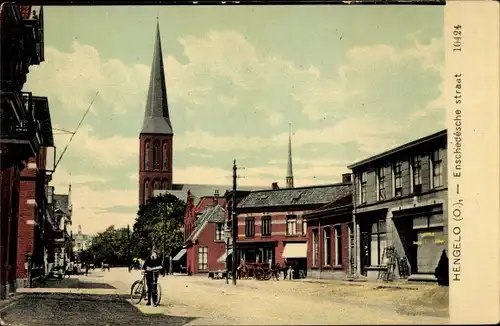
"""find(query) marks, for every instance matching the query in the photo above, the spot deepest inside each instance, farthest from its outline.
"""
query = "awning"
(180, 254)
(295, 250)
(223, 257)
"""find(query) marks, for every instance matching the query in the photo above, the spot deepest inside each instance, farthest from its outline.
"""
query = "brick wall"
(278, 226)
(215, 248)
(148, 173)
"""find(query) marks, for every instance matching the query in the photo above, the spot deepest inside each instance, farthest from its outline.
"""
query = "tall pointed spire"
(156, 116)
(289, 170)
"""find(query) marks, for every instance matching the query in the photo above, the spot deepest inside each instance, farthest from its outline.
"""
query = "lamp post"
(227, 236)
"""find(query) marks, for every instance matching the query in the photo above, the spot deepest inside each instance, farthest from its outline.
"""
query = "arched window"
(146, 191)
(155, 185)
(156, 155)
(165, 185)
(146, 154)
(164, 156)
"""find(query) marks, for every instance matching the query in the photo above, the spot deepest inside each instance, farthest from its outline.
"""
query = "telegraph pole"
(128, 248)
(235, 221)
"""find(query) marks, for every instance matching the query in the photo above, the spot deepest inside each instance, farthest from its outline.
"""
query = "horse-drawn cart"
(259, 271)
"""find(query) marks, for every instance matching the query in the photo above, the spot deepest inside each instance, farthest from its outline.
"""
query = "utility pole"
(235, 222)
(128, 248)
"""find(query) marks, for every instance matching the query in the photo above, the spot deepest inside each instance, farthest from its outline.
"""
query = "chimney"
(346, 178)
(275, 186)
(216, 196)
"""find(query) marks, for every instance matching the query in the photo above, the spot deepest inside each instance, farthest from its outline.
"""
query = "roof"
(212, 214)
(198, 190)
(61, 202)
(156, 116)
(312, 195)
(338, 205)
(401, 148)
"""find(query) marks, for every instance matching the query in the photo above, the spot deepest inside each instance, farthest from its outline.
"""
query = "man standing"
(151, 276)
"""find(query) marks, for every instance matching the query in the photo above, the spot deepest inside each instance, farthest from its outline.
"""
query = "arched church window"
(164, 186)
(156, 155)
(146, 191)
(155, 185)
(164, 156)
(146, 155)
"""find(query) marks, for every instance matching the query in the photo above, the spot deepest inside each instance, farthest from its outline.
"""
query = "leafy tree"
(110, 246)
(158, 225)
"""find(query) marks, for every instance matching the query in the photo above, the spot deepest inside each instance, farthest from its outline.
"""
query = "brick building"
(271, 223)
(400, 200)
(330, 237)
(22, 122)
(36, 220)
(206, 212)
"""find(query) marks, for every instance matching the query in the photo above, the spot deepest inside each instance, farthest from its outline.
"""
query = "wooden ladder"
(387, 274)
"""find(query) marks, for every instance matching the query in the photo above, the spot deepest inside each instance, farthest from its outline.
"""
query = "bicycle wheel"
(137, 292)
(157, 296)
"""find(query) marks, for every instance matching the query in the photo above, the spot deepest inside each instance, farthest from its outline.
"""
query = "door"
(365, 252)
(430, 248)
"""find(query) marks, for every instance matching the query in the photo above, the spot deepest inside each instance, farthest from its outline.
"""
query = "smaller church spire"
(289, 171)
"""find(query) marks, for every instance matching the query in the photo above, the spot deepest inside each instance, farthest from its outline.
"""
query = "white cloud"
(74, 78)
(63, 177)
(370, 133)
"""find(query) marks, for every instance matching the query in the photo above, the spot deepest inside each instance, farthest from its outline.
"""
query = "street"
(102, 299)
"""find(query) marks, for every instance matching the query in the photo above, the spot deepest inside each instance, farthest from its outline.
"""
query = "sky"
(351, 80)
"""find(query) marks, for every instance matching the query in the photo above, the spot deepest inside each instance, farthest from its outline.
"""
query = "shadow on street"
(82, 309)
(75, 283)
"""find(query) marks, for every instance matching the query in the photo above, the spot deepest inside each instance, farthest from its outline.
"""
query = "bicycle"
(138, 290)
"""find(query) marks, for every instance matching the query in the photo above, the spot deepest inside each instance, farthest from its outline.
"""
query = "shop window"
(338, 245)
(327, 250)
(315, 258)
(378, 242)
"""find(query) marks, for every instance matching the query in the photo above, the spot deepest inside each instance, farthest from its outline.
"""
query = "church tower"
(289, 170)
(155, 139)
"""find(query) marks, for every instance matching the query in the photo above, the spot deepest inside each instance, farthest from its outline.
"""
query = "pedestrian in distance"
(151, 276)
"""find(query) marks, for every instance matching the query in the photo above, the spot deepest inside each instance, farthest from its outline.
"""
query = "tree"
(110, 246)
(158, 225)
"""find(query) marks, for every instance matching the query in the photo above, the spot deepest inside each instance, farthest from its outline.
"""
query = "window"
(146, 155)
(362, 185)
(164, 156)
(268, 255)
(250, 227)
(378, 242)
(315, 247)
(291, 225)
(327, 244)
(416, 169)
(437, 168)
(164, 186)
(381, 183)
(219, 231)
(202, 258)
(398, 185)
(304, 226)
(155, 185)
(156, 156)
(266, 226)
(338, 245)
(146, 191)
